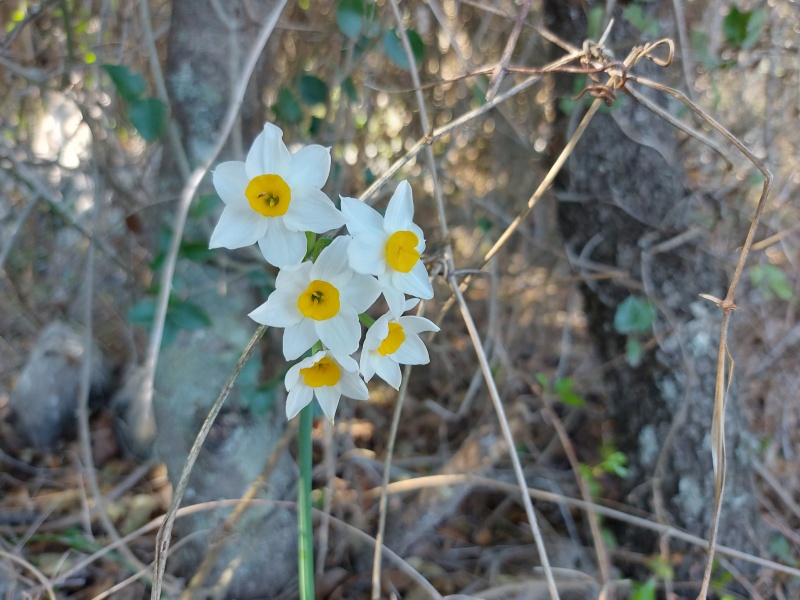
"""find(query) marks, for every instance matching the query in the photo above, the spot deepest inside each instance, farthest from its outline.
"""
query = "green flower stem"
(305, 543)
(366, 320)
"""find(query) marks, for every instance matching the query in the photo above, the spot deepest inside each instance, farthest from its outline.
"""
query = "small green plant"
(561, 388)
(743, 29)
(644, 591)
(147, 114)
(634, 318)
(635, 15)
(771, 281)
(613, 462)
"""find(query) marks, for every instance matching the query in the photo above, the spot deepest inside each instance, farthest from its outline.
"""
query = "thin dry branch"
(43, 580)
(431, 481)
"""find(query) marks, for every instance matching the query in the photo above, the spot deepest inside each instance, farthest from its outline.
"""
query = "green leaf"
(395, 51)
(635, 15)
(771, 280)
(543, 381)
(644, 591)
(661, 568)
(755, 27)
(149, 116)
(479, 87)
(634, 315)
(195, 251)
(186, 315)
(734, 26)
(349, 88)
(355, 16)
(180, 315)
(563, 388)
(615, 463)
(633, 351)
(203, 206)
(314, 127)
(128, 85)
(743, 29)
(485, 224)
(313, 90)
(311, 240)
(287, 109)
(142, 313)
(700, 45)
(591, 481)
(319, 246)
(595, 23)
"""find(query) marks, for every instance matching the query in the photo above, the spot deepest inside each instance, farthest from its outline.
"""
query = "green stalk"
(305, 542)
(305, 545)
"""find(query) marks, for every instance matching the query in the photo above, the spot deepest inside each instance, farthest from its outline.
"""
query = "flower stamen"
(393, 340)
(401, 251)
(320, 301)
(321, 373)
(269, 195)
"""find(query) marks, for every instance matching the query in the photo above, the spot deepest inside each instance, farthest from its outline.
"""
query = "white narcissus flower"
(389, 247)
(326, 375)
(273, 198)
(319, 301)
(391, 342)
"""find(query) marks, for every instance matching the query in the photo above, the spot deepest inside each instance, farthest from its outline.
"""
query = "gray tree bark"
(627, 177)
(258, 558)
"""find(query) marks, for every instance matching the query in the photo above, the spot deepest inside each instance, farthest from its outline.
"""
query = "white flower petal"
(332, 262)
(367, 253)
(309, 166)
(237, 228)
(412, 351)
(415, 229)
(297, 399)
(293, 376)
(417, 324)
(298, 338)
(353, 387)
(231, 181)
(414, 283)
(389, 371)
(281, 247)
(410, 303)
(360, 217)
(294, 279)
(280, 310)
(311, 210)
(395, 299)
(400, 212)
(367, 365)
(347, 362)
(328, 398)
(376, 333)
(268, 154)
(342, 332)
(361, 292)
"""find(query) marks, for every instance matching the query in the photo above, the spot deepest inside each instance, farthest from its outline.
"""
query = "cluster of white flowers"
(274, 198)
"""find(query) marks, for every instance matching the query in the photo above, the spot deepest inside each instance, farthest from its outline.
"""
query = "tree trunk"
(629, 185)
(258, 558)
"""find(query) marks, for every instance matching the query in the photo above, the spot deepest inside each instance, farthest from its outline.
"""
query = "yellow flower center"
(321, 373)
(393, 340)
(320, 301)
(269, 195)
(401, 251)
